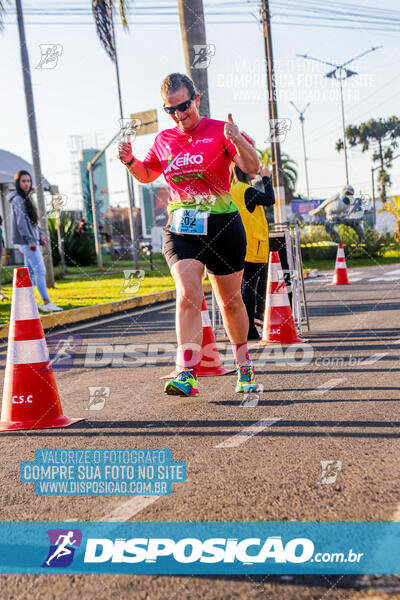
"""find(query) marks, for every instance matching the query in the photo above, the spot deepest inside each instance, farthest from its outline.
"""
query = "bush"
(317, 244)
(375, 243)
(79, 247)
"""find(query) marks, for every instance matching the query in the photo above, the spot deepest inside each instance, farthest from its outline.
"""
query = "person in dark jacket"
(251, 203)
(26, 232)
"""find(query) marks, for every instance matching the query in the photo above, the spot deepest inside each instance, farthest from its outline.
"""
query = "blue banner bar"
(200, 548)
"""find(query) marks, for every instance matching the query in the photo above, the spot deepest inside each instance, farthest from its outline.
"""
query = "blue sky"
(79, 96)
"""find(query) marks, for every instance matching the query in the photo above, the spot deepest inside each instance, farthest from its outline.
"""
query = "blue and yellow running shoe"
(184, 384)
(246, 381)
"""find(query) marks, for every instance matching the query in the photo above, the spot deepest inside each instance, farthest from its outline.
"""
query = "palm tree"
(103, 16)
(392, 206)
(103, 11)
(191, 15)
(2, 12)
(30, 108)
(288, 170)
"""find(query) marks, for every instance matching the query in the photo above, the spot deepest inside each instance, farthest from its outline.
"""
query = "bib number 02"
(189, 221)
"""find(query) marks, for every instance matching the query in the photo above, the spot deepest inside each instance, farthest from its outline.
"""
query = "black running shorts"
(222, 250)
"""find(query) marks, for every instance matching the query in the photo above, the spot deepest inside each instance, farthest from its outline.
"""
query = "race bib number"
(189, 221)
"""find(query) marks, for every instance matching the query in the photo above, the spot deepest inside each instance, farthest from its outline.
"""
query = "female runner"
(204, 227)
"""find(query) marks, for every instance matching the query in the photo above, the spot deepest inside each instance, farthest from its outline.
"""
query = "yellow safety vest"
(255, 224)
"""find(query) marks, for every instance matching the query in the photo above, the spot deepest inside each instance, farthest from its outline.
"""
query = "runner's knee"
(230, 304)
(189, 298)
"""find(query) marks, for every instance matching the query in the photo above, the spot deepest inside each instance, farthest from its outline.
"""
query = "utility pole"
(193, 30)
(96, 232)
(277, 174)
(37, 172)
(94, 215)
(132, 220)
(340, 74)
(301, 119)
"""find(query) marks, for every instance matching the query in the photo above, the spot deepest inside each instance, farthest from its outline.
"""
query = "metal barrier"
(292, 266)
(284, 237)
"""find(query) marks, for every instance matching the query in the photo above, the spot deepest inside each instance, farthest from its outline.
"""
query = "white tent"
(11, 163)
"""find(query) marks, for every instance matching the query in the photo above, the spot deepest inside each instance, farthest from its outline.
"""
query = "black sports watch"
(128, 164)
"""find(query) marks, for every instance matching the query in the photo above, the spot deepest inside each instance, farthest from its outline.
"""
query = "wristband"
(128, 164)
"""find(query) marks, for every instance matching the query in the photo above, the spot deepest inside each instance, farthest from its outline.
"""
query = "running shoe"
(184, 384)
(49, 307)
(246, 381)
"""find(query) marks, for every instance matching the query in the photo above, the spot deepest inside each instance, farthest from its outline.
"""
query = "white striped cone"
(279, 326)
(340, 276)
(30, 396)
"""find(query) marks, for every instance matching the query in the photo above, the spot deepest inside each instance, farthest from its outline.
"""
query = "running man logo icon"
(128, 129)
(288, 277)
(202, 55)
(97, 397)
(62, 351)
(252, 399)
(330, 471)
(63, 543)
(132, 281)
(278, 129)
(50, 55)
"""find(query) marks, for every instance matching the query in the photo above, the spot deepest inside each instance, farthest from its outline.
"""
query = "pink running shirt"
(196, 165)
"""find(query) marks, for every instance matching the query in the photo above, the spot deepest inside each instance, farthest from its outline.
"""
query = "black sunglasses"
(181, 107)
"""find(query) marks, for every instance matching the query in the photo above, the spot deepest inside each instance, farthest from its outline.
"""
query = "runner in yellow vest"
(250, 203)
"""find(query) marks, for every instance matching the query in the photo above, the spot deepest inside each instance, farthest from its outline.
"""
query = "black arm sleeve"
(253, 197)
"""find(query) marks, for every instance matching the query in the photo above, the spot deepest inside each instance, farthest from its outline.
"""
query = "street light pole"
(277, 174)
(301, 119)
(37, 172)
(340, 74)
(346, 164)
(131, 195)
(373, 193)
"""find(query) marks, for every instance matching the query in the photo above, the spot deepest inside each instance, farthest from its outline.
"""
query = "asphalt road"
(334, 400)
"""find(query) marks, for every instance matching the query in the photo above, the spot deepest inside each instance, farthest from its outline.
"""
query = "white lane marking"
(246, 434)
(318, 279)
(373, 359)
(352, 279)
(386, 278)
(328, 385)
(124, 511)
(100, 321)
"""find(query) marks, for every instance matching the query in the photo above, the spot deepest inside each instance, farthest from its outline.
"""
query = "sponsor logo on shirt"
(203, 141)
(182, 160)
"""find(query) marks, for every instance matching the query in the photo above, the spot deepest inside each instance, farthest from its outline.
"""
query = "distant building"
(100, 184)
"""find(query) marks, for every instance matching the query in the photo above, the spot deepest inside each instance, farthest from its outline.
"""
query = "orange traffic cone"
(340, 275)
(210, 362)
(279, 326)
(30, 396)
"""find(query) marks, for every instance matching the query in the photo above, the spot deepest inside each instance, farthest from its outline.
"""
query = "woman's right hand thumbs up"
(125, 151)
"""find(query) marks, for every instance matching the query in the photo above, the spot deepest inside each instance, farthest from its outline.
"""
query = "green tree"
(289, 171)
(381, 136)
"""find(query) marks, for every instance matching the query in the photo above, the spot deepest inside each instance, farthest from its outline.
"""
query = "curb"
(86, 313)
